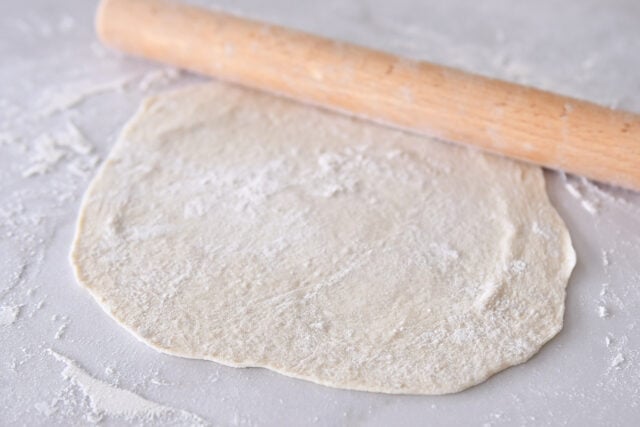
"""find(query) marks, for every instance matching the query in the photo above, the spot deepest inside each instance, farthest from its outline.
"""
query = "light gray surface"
(588, 49)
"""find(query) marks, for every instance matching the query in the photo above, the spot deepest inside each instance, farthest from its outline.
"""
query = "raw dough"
(249, 230)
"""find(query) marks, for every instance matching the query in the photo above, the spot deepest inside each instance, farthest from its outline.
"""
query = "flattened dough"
(249, 230)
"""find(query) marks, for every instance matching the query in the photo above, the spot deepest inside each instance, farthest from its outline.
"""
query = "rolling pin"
(512, 120)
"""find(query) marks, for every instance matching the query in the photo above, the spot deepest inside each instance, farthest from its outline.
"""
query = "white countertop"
(58, 81)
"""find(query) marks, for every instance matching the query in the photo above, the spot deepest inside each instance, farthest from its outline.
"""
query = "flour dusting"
(71, 95)
(108, 400)
(575, 187)
(8, 315)
(603, 311)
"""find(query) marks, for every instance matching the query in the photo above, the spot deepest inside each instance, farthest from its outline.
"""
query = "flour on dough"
(249, 230)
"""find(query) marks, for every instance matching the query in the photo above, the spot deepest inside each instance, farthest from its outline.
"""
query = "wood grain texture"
(516, 121)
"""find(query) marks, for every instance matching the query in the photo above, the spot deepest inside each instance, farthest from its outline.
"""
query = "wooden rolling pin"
(520, 122)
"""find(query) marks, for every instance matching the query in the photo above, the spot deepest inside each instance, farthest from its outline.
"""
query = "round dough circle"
(249, 230)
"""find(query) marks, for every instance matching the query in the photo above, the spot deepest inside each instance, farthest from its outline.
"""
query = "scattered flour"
(518, 266)
(574, 187)
(63, 98)
(602, 311)
(611, 196)
(48, 150)
(68, 96)
(617, 360)
(8, 314)
(589, 207)
(45, 155)
(573, 190)
(603, 291)
(108, 400)
(45, 409)
(61, 331)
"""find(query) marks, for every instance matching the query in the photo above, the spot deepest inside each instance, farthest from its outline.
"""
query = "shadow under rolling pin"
(516, 121)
